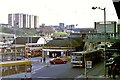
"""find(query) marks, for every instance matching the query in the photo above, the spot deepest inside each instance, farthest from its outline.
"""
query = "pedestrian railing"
(10, 69)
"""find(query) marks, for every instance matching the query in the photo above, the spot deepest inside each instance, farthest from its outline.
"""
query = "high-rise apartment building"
(61, 25)
(21, 20)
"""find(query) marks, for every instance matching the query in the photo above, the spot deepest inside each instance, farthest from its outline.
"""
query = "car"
(116, 69)
(109, 61)
(58, 61)
(18, 58)
(115, 66)
(112, 60)
(117, 59)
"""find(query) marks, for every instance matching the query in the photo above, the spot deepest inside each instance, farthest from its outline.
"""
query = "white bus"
(78, 58)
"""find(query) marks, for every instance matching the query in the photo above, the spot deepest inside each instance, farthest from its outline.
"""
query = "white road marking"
(83, 76)
(34, 71)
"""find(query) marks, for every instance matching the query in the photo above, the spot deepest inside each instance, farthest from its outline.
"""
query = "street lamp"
(104, 9)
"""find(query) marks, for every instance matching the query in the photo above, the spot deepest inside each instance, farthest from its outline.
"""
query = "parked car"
(112, 60)
(58, 61)
(18, 58)
(117, 59)
(115, 66)
(109, 61)
(116, 69)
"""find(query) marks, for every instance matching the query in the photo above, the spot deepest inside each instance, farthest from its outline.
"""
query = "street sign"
(89, 64)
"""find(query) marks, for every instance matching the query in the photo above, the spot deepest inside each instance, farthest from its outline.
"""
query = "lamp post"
(15, 43)
(104, 9)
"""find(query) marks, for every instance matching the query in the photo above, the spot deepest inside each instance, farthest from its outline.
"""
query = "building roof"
(67, 42)
(27, 39)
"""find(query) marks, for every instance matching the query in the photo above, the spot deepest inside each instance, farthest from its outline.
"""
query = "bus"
(15, 69)
(33, 50)
(79, 58)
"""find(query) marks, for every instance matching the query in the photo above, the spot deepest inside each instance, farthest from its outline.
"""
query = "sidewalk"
(97, 73)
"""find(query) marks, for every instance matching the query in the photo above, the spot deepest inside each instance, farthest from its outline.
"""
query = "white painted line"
(37, 69)
(34, 72)
(83, 76)
(44, 77)
(80, 76)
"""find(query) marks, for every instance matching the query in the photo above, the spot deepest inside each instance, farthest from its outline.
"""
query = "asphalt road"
(58, 71)
(66, 71)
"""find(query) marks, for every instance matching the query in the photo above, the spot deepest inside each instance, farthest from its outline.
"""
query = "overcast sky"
(52, 12)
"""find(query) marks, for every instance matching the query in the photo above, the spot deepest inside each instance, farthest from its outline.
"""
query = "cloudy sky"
(52, 12)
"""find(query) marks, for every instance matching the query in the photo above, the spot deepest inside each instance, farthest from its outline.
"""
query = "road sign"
(89, 64)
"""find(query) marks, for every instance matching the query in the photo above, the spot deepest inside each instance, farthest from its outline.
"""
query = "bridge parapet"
(110, 37)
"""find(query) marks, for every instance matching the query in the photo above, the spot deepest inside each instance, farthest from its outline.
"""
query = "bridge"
(102, 37)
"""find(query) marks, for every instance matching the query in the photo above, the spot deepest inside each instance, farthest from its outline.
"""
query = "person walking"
(41, 60)
(109, 71)
(44, 59)
(114, 71)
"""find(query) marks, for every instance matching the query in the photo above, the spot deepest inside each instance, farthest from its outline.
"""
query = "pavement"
(97, 73)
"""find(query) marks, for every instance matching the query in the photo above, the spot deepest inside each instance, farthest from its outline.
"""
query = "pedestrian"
(41, 60)
(114, 71)
(22, 54)
(109, 71)
(44, 59)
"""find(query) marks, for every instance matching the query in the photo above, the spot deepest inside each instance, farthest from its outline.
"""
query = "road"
(58, 71)
(65, 71)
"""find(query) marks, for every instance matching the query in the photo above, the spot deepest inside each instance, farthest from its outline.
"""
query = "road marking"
(44, 77)
(89, 76)
(47, 78)
(34, 71)
(80, 76)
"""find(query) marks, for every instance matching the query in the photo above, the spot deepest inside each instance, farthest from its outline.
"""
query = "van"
(101, 47)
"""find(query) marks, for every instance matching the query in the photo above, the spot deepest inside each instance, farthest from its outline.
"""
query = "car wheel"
(51, 63)
(64, 62)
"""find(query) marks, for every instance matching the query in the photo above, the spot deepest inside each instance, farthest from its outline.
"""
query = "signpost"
(89, 64)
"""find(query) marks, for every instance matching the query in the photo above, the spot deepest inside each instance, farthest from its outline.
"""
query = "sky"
(53, 12)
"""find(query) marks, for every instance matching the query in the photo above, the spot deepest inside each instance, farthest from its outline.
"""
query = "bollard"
(41, 60)
(47, 64)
